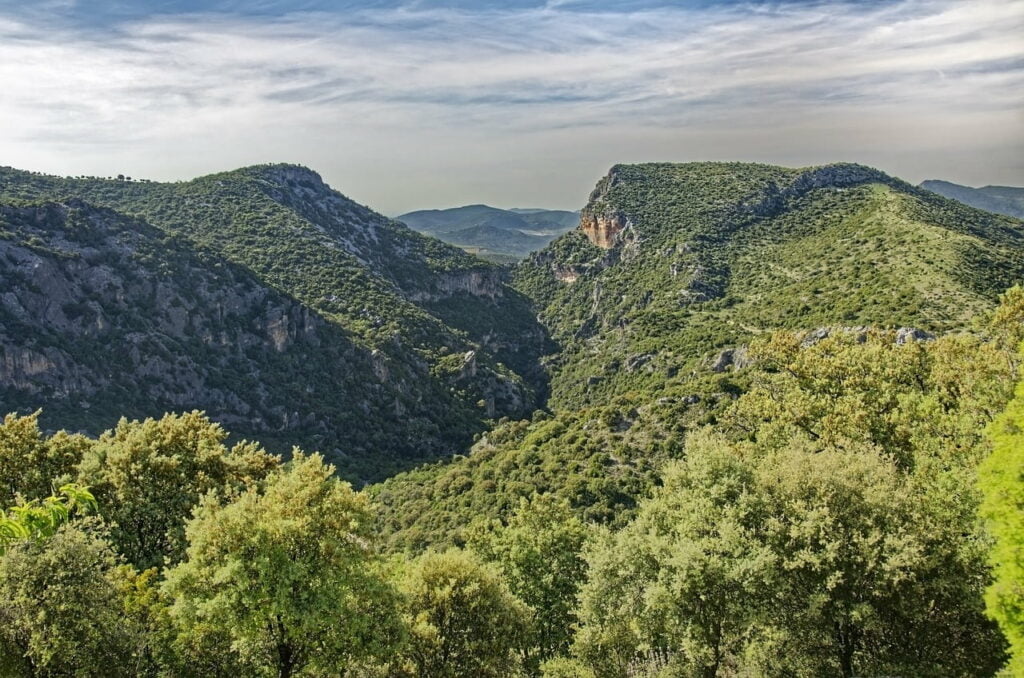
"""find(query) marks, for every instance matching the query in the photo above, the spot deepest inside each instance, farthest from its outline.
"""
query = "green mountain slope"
(675, 262)
(675, 269)
(492, 231)
(439, 333)
(1006, 200)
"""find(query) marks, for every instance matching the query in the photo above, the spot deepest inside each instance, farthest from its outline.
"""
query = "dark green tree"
(148, 475)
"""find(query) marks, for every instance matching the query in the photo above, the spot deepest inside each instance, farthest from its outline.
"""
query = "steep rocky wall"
(486, 283)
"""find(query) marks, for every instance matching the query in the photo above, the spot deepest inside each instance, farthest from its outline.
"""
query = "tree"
(287, 574)
(1002, 480)
(682, 583)
(148, 475)
(540, 556)
(60, 610)
(792, 561)
(30, 463)
(462, 620)
(1007, 320)
(563, 667)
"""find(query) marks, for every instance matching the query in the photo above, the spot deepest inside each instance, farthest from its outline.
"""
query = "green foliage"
(37, 520)
(1002, 480)
(1007, 320)
(286, 573)
(828, 527)
(800, 562)
(462, 619)
(30, 462)
(539, 553)
(915, 403)
(683, 577)
(562, 667)
(60, 610)
(148, 475)
(600, 459)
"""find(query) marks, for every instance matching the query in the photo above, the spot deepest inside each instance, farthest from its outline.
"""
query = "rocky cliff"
(600, 220)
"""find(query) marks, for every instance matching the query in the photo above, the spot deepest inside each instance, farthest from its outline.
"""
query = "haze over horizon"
(418, 105)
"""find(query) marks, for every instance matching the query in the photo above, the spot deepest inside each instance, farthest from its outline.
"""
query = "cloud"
(419, 104)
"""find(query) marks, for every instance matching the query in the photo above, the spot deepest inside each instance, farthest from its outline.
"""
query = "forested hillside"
(653, 302)
(352, 322)
(674, 262)
(745, 421)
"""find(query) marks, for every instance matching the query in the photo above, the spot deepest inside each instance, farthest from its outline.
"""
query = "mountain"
(674, 270)
(279, 305)
(1007, 200)
(295, 315)
(490, 231)
(674, 263)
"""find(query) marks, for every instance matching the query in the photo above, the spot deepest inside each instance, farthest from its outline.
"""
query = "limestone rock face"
(599, 220)
(736, 358)
(603, 229)
(485, 283)
(908, 334)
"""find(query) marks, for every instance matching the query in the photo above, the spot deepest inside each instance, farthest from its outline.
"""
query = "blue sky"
(406, 105)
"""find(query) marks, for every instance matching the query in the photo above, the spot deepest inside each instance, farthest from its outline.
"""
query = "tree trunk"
(847, 639)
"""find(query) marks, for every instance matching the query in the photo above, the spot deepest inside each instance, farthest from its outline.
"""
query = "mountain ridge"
(397, 296)
(652, 329)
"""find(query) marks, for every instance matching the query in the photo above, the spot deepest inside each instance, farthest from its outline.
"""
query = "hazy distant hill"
(486, 230)
(1007, 200)
(262, 295)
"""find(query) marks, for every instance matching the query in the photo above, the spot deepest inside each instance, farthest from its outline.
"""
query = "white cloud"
(424, 107)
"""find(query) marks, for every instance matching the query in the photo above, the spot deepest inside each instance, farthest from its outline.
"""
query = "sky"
(425, 104)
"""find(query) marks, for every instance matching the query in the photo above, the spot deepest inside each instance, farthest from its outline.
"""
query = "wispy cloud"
(419, 104)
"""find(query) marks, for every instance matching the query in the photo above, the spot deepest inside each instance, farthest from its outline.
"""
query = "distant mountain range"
(492, 232)
(1008, 200)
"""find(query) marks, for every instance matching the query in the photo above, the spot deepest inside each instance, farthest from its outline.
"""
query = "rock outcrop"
(600, 221)
(603, 229)
(485, 283)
